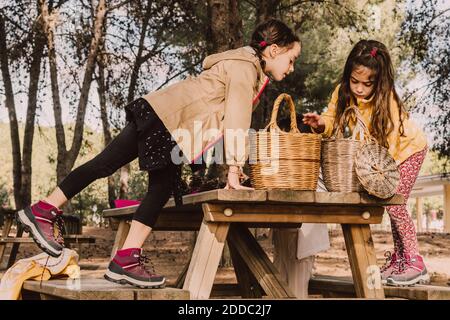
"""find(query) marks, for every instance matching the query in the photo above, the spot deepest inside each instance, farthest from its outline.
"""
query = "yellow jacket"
(400, 148)
(40, 268)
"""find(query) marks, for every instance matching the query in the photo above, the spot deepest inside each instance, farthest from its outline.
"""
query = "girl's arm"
(324, 123)
(241, 79)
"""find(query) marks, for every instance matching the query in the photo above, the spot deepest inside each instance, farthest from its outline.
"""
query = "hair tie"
(373, 52)
(263, 44)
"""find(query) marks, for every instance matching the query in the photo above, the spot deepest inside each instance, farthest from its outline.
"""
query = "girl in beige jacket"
(171, 126)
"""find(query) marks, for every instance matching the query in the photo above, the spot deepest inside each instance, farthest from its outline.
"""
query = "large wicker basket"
(284, 160)
(338, 155)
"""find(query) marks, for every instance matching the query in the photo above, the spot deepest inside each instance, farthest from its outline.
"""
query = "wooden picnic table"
(225, 215)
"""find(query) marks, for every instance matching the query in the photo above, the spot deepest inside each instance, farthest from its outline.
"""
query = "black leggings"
(122, 150)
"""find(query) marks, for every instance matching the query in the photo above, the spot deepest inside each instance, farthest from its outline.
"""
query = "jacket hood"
(243, 53)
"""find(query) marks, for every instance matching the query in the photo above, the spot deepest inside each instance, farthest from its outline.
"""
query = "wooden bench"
(73, 228)
(95, 289)
(343, 287)
(226, 215)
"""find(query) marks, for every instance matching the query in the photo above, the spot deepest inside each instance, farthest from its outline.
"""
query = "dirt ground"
(170, 251)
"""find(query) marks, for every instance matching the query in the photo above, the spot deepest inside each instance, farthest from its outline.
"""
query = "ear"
(274, 50)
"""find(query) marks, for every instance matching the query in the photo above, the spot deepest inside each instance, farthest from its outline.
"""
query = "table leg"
(258, 263)
(363, 262)
(205, 259)
(121, 235)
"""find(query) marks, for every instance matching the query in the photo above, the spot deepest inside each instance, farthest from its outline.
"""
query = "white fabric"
(294, 251)
(295, 272)
(313, 237)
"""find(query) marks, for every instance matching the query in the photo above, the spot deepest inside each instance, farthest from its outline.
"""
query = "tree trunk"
(35, 71)
(266, 9)
(13, 124)
(102, 89)
(225, 33)
(66, 158)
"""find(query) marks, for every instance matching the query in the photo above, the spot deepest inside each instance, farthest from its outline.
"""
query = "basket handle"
(360, 128)
(273, 120)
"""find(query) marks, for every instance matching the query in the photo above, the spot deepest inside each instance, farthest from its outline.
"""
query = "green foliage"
(4, 195)
(426, 35)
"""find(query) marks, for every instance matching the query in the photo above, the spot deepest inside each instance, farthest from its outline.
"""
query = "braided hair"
(270, 32)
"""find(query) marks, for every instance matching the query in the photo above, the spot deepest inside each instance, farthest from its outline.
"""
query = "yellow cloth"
(400, 148)
(41, 268)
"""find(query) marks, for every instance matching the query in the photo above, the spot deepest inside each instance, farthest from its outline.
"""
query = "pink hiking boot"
(391, 264)
(40, 220)
(411, 270)
(128, 266)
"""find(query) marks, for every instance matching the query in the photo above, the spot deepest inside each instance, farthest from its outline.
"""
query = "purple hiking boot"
(127, 267)
(40, 221)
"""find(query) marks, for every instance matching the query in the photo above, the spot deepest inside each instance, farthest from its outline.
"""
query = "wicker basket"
(338, 155)
(284, 160)
(377, 170)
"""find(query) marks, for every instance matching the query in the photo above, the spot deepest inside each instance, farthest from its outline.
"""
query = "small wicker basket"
(284, 160)
(351, 165)
(338, 155)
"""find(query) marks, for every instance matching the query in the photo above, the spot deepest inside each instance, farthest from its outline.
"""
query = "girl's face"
(362, 82)
(280, 61)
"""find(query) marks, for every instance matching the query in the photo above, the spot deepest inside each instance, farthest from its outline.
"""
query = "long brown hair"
(270, 32)
(375, 56)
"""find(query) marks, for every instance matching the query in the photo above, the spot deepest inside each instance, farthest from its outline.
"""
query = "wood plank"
(99, 289)
(162, 294)
(258, 263)
(247, 283)
(16, 240)
(7, 224)
(343, 198)
(109, 213)
(265, 213)
(192, 201)
(337, 197)
(396, 199)
(67, 238)
(363, 262)
(15, 247)
(121, 236)
(223, 195)
(81, 289)
(343, 286)
(205, 259)
(290, 196)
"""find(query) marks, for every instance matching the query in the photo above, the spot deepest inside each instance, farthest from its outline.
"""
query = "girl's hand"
(315, 121)
(234, 179)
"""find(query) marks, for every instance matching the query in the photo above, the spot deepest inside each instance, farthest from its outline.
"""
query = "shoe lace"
(144, 261)
(402, 265)
(389, 257)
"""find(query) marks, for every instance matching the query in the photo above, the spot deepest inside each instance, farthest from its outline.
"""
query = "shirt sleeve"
(241, 79)
(329, 114)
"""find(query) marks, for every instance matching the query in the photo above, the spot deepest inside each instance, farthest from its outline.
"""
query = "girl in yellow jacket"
(368, 83)
(170, 126)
